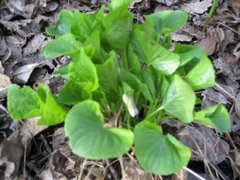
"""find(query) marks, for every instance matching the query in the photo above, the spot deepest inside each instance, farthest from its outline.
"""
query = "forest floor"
(29, 152)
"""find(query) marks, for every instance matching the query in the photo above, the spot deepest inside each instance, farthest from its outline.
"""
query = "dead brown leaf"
(236, 6)
(4, 84)
(197, 7)
(205, 143)
(7, 169)
(214, 36)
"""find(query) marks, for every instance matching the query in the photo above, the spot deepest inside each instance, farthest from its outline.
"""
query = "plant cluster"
(123, 81)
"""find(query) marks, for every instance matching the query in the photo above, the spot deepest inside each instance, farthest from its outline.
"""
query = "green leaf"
(82, 27)
(72, 93)
(52, 112)
(64, 24)
(167, 63)
(82, 80)
(132, 80)
(94, 40)
(202, 75)
(133, 60)
(83, 71)
(64, 45)
(167, 21)
(88, 137)
(108, 73)
(148, 89)
(179, 100)
(26, 103)
(23, 102)
(119, 4)
(114, 37)
(158, 153)
(153, 53)
(187, 53)
(63, 72)
(216, 117)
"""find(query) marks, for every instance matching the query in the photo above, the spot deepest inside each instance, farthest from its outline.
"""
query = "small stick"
(194, 173)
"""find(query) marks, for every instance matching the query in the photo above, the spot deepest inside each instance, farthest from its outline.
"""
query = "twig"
(124, 175)
(82, 169)
(224, 91)
(194, 173)
(112, 170)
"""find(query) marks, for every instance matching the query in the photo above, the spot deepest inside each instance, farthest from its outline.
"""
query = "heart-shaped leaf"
(158, 153)
(179, 100)
(202, 75)
(215, 117)
(167, 21)
(23, 102)
(187, 52)
(88, 137)
(26, 103)
(63, 25)
(64, 45)
(82, 79)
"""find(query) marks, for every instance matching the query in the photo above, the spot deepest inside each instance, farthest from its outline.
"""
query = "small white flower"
(129, 101)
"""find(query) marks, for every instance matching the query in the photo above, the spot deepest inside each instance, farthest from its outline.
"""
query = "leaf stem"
(154, 112)
(124, 60)
(210, 14)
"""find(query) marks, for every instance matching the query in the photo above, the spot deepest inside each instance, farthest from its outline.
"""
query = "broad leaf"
(119, 4)
(52, 112)
(113, 37)
(26, 103)
(167, 63)
(158, 153)
(148, 89)
(88, 137)
(167, 21)
(187, 53)
(216, 117)
(82, 70)
(64, 45)
(108, 73)
(82, 27)
(23, 102)
(132, 80)
(153, 53)
(63, 25)
(179, 100)
(133, 60)
(94, 40)
(202, 75)
(82, 79)
(72, 93)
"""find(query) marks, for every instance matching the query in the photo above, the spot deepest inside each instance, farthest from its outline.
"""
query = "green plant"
(124, 74)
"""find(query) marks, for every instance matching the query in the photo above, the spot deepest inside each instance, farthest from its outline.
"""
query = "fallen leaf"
(30, 129)
(134, 171)
(4, 84)
(7, 169)
(22, 74)
(1, 68)
(183, 37)
(237, 105)
(209, 43)
(212, 97)
(206, 143)
(198, 7)
(45, 175)
(13, 150)
(34, 46)
(235, 4)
